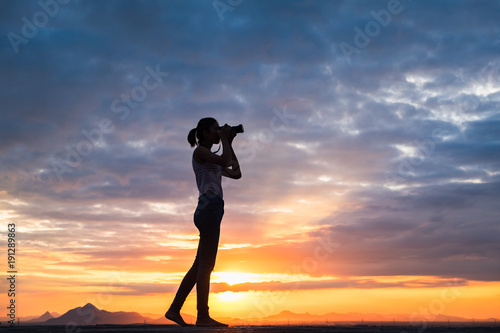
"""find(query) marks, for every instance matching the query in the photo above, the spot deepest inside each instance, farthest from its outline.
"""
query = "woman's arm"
(228, 161)
(232, 170)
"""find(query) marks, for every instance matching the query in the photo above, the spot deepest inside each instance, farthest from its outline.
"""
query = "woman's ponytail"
(197, 133)
(192, 137)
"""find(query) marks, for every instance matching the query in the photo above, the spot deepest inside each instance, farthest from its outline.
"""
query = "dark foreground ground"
(252, 329)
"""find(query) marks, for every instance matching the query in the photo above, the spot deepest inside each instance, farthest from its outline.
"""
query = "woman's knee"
(206, 267)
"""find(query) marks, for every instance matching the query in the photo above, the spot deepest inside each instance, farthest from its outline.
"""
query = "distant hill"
(46, 316)
(288, 317)
(164, 321)
(285, 317)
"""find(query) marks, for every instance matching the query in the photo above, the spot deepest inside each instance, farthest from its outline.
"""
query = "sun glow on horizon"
(232, 278)
(229, 296)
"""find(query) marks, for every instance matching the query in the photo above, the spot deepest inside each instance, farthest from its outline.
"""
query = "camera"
(236, 129)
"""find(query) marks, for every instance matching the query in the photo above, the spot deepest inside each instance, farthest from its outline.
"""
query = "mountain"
(291, 317)
(46, 316)
(90, 315)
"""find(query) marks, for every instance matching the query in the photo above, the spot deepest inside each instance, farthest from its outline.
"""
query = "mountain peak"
(90, 315)
(47, 315)
(90, 306)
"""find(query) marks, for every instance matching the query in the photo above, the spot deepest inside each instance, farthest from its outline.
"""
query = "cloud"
(327, 284)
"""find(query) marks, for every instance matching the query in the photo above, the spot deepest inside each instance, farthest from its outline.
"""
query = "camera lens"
(236, 129)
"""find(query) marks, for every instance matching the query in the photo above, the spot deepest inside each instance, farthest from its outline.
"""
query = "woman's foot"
(209, 322)
(176, 317)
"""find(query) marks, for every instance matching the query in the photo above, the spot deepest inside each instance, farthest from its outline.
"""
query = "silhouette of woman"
(208, 168)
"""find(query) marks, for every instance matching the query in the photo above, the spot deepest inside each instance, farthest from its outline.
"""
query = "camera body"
(236, 129)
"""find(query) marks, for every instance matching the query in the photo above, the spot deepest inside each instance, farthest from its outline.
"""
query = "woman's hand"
(225, 132)
(232, 134)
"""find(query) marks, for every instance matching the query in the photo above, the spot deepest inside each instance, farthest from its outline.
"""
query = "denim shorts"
(209, 211)
(207, 218)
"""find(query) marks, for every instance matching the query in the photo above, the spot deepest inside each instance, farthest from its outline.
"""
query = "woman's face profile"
(212, 135)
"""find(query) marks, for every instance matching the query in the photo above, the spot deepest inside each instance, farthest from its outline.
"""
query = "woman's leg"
(208, 220)
(185, 288)
(207, 252)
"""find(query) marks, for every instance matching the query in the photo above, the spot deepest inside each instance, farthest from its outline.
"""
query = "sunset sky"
(370, 159)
